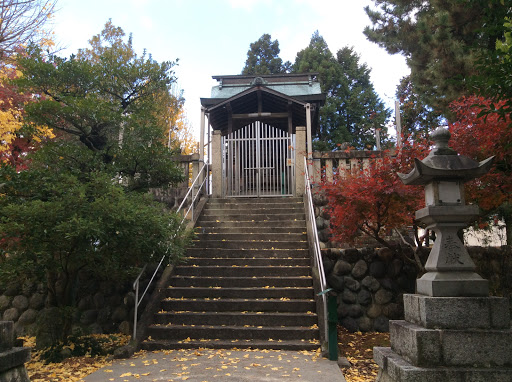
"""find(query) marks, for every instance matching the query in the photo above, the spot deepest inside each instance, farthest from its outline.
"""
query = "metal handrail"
(136, 283)
(191, 189)
(317, 255)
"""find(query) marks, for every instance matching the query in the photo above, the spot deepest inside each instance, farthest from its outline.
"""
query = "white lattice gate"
(258, 160)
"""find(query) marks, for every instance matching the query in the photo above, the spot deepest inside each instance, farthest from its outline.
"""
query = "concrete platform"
(207, 365)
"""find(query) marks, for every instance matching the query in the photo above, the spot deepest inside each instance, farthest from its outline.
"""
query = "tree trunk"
(508, 228)
(505, 211)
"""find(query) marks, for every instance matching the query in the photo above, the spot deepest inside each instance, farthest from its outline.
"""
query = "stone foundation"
(449, 339)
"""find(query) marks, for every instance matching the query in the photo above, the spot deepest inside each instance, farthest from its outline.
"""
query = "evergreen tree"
(81, 205)
(417, 118)
(263, 58)
(352, 110)
(441, 40)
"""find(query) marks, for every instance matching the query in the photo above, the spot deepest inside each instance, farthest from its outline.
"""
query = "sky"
(212, 37)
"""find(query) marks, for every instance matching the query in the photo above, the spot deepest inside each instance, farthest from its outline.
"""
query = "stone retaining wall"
(371, 282)
(102, 306)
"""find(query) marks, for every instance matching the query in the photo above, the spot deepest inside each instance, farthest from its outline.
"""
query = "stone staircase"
(247, 282)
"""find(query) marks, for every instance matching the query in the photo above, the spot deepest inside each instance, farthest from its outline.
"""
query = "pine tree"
(263, 58)
(352, 110)
(441, 40)
(418, 119)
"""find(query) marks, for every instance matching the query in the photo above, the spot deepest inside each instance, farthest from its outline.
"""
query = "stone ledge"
(13, 358)
(419, 346)
(394, 368)
(453, 348)
(452, 312)
(18, 374)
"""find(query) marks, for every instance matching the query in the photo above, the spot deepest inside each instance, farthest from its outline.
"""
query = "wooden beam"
(290, 117)
(230, 117)
(260, 115)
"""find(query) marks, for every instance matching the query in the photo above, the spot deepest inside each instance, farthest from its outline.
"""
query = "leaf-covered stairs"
(247, 282)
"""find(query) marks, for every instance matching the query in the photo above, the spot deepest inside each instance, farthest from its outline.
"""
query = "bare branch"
(415, 250)
(22, 21)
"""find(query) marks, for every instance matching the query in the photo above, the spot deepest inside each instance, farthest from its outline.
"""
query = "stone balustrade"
(328, 163)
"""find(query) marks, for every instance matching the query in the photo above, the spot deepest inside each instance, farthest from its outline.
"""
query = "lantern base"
(452, 284)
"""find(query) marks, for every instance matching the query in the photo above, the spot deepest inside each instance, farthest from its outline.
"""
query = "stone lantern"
(450, 270)
(452, 329)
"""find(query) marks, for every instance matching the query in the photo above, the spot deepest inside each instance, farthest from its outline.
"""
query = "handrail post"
(317, 256)
(135, 311)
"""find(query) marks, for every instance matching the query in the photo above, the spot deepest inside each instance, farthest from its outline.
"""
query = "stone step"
(289, 345)
(240, 293)
(236, 318)
(242, 271)
(250, 236)
(263, 210)
(281, 281)
(393, 365)
(447, 347)
(212, 215)
(252, 262)
(167, 332)
(248, 225)
(280, 199)
(246, 282)
(250, 244)
(238, 305)
(236, 228)
(255, 206)
(247, 253)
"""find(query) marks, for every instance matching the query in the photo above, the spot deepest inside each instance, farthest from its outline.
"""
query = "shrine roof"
(293, 85)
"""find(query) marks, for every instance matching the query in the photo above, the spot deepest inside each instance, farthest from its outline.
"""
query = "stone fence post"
(12, 359)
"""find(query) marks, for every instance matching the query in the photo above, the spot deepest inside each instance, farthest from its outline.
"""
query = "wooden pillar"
(300, 153)
(308, 129)
(309, 138)
(201, 135)
(216, 164)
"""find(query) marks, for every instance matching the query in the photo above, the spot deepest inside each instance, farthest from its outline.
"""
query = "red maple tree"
(481, 134)
(373, 200)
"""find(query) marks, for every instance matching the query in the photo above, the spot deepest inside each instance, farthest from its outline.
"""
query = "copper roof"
(240, 100)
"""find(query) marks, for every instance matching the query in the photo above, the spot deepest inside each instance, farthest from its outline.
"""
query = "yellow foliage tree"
(12, 103)
(181, 136)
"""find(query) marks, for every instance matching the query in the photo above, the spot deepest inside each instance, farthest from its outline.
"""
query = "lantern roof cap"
(445, 164)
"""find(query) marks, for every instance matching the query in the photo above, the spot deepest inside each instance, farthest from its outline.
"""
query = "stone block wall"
(370, 283)
(102, 306)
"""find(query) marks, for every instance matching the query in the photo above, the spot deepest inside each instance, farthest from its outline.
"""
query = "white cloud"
(146, 22)
(248, 5)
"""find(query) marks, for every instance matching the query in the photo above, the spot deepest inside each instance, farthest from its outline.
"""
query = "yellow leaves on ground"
(358, 349)
(71, 369)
